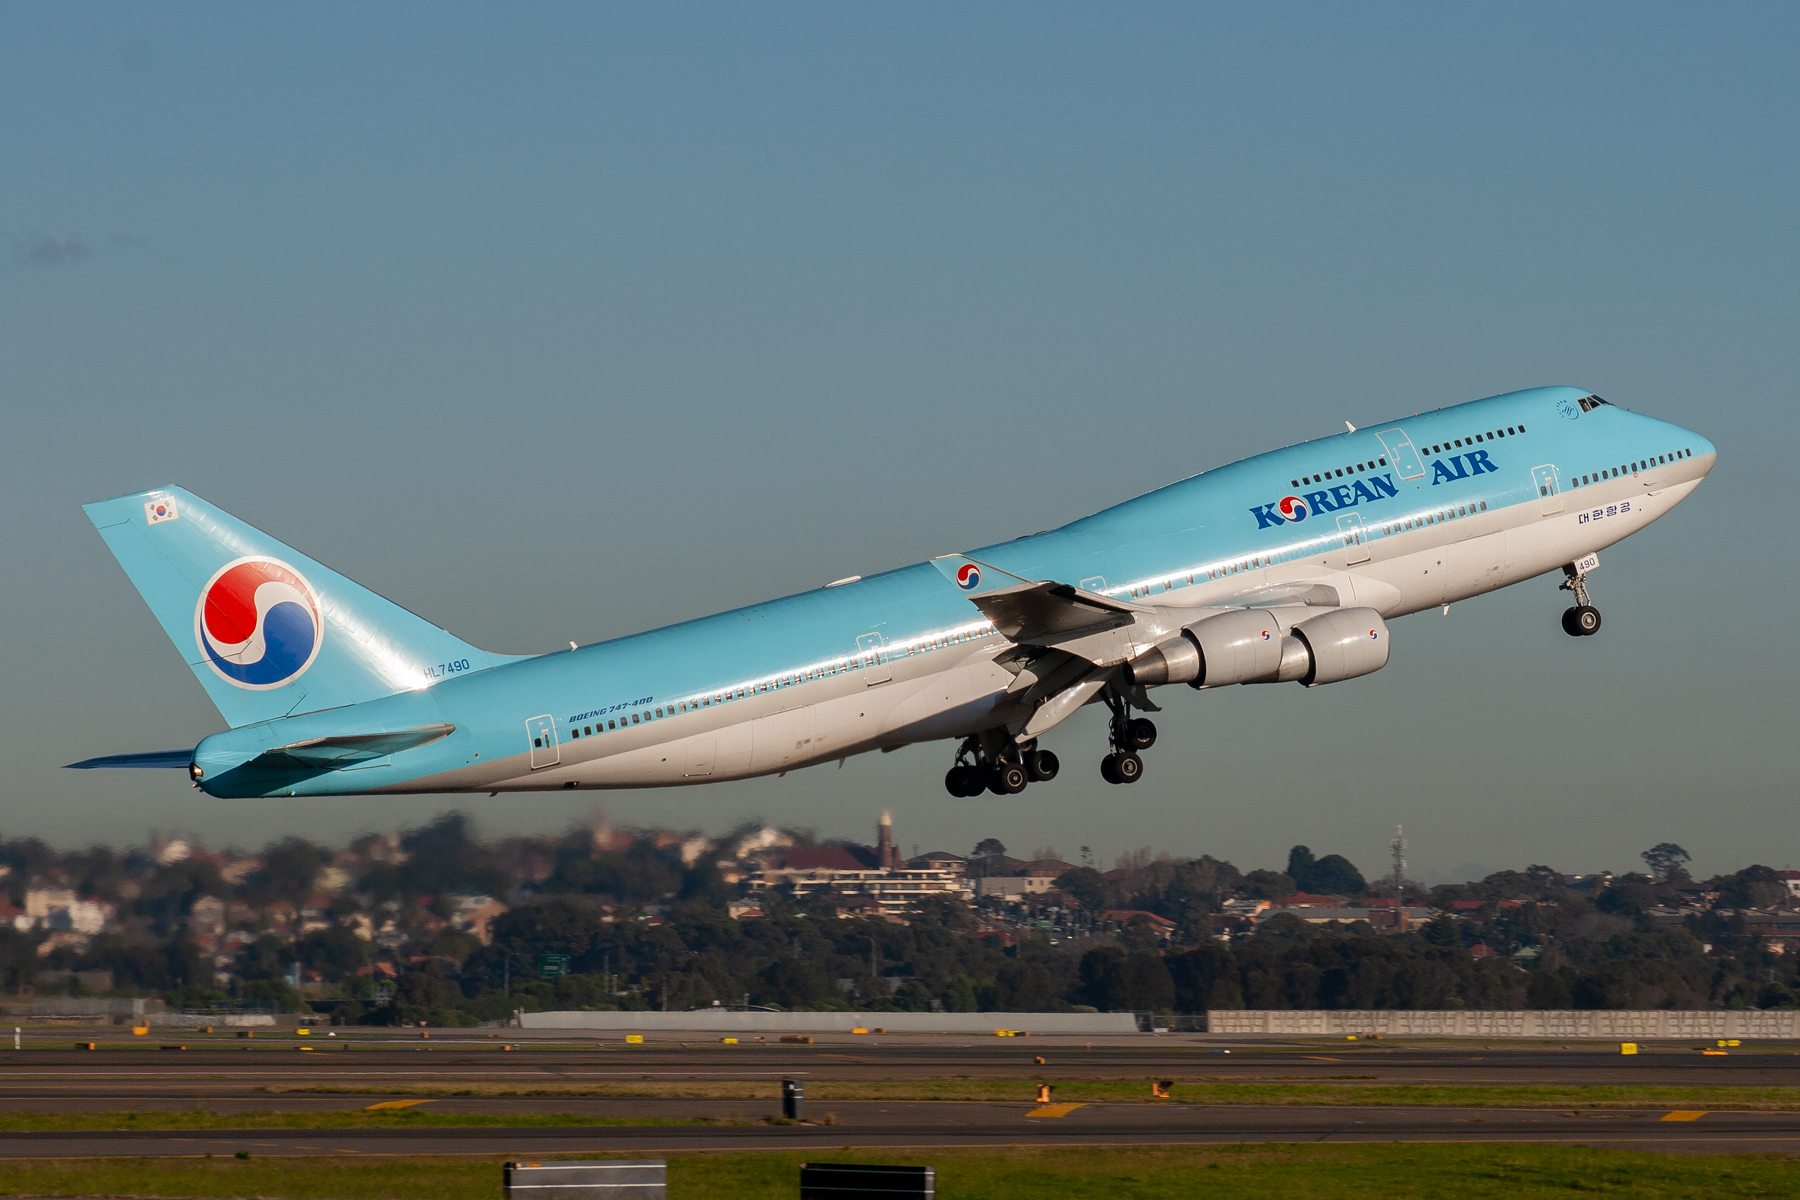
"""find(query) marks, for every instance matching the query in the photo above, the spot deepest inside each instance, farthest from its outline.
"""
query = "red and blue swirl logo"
(1292, 508)
(259, 623)
(968, 577)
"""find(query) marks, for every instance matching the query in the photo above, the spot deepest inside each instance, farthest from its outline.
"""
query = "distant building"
(857, 871)
(1310, 900)
(473, 914)
(207, 916)
(1012, 887)
(1382, 919)
(1127, 916)
(41, 902)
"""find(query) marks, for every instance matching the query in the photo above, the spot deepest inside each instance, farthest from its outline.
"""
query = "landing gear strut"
(999, 767)
(1583, 620)
(1126, 735)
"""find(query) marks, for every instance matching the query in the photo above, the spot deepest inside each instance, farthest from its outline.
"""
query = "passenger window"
(538, 742)
(612, 724)
(1457, 443)
(1484, 506)
(1384, 462)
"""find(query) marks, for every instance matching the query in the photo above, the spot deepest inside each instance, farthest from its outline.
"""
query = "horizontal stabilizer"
(178, 759)
(347, 749)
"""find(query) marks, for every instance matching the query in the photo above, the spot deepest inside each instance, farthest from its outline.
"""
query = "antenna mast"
(1398, 846)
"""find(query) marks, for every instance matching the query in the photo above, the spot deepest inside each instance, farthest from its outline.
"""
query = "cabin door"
(1545, 479)
(1356, 548)
(541, 733)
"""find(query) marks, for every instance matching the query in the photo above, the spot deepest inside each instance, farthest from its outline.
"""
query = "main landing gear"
(1583, 620)
(999, 767)
(1127, 735)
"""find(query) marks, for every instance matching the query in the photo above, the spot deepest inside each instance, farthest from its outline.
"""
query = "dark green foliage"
(1667, 862)
(1114, 981)
(1752, 887)
(1332, 875)
(1268, 885)
(288, 870)
(1085, 885)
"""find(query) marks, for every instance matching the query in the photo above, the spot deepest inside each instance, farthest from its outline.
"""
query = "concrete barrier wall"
(833, 1022)
(1604, 1024)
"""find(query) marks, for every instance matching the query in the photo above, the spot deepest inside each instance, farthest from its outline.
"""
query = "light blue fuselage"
(905, 656)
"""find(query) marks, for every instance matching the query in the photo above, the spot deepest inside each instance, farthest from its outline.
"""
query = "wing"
(1038, 612)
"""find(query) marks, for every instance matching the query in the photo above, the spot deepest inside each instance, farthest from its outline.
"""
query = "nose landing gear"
(1583, 620)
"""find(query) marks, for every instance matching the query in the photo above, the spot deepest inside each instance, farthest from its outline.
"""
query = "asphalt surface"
(229, 1075)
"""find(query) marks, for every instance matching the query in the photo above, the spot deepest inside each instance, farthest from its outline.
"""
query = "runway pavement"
(218, 1067)
(229, 1075)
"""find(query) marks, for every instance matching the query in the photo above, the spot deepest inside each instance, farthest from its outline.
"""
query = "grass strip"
(1264, 1172)
(40, 1122)
(1118, 1091)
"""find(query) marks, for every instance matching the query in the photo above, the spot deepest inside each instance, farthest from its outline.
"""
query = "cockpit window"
(1590, 403)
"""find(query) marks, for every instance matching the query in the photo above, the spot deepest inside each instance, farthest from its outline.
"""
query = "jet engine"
(1252, 646)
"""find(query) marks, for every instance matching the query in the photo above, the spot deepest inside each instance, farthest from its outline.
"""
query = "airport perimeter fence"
(1544, 1024)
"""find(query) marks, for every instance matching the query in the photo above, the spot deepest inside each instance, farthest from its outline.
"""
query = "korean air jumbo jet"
(1286, 567)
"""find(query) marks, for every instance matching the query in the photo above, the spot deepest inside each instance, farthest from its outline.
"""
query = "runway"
(218, 1066)
(733, 1088)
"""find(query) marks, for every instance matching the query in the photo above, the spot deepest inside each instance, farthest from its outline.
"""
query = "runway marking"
(396, 1104)
(1054, 1110)
(1322, 1058)
(1684, 1115)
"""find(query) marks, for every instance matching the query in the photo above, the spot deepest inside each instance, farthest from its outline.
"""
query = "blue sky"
(559, 322)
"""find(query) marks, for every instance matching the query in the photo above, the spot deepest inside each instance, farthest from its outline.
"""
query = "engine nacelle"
(1233, 647)
(1342, 645)
(1249, 646)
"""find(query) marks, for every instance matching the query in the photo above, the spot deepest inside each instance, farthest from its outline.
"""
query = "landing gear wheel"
(1128, 767)
(1007, 779)
(1042, 766)
(1109, 769)
(964, 782)
(1581, 621)
(1141, 733)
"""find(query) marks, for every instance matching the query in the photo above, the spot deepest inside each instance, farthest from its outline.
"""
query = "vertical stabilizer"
(268, 631)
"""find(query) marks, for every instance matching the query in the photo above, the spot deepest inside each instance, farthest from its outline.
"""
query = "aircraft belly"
(1475, 566)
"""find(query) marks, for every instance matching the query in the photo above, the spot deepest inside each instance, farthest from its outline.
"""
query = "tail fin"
(268, 631)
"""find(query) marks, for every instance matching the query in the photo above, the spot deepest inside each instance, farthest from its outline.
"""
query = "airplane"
(1286, 567)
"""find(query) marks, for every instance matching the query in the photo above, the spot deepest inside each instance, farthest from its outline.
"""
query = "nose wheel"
(1583, 620)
